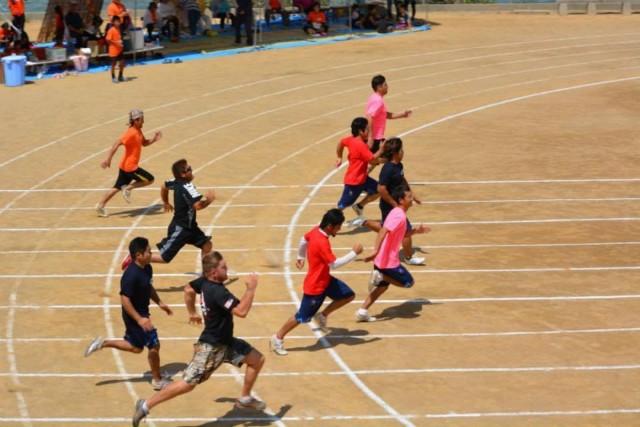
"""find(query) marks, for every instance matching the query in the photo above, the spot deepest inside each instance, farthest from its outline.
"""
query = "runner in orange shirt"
(116, 49)
(133, 140)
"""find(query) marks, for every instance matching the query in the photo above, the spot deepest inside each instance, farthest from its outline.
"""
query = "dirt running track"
(523, 146)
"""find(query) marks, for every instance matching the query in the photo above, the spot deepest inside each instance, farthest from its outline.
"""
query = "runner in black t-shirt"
(183, 229)
(216, 344)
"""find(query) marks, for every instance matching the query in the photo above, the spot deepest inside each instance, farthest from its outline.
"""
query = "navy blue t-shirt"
(391, 176)
(136, 284)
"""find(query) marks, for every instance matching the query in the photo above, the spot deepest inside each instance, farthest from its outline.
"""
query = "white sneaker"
(277, 345)
(374, 279)
(102, 212)
(126, 194)
(321, 320)
(364, 317)
(162, 383)
(251, 403)
(95, 345)
(414, 261)
(357, 210)
(358, 222)
(139, 413)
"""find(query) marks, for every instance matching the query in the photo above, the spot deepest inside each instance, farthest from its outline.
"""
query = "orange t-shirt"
(132, 141)
(17, 7)
(115, 42)
(116, 9)
(314, 16)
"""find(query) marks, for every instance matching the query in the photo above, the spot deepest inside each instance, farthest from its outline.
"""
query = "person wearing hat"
(130, 175)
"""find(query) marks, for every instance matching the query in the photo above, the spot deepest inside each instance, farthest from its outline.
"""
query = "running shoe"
(277, 345)
(139, 414)
(102, 212)
(95, 345)
(126, 193)
(250, 403)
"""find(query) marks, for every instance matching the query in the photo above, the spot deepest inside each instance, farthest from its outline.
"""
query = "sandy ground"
(522, 147)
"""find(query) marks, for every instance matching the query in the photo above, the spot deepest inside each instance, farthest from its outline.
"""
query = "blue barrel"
(14, 69)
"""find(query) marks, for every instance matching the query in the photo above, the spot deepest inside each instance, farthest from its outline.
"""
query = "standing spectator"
(244, 16)
(150, 19)
(192, 8)
(136, 292)
(133, 140)
(216, 344)
(357, 19)
(387, 268)
(116, 50)
(76, 26)
(220, 9)
(184, 226)
(391, 178)
(356, 179)
(318, 283)
(316, 23)
(59, 25)
(170, 25)
(17, 13)
(377, 114)
(116, 8)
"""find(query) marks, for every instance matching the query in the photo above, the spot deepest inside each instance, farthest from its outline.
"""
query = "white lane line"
(364, 372)
(345, 272)
(333, 337)
(423, 247)
(310, 418)
(327, 185)
(250, 226)
(381, 301)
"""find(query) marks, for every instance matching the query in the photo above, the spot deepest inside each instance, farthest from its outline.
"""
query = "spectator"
(244, 17)
(357, 19)
(17, 13)
(316, 24)
(170, 25)
(275, 7)
(116, 8)
(304, 5)
(192, 8)
(6, 36)
(151, 19)
(75, 24)
(402, 18)
(116, 51)
(221, 10)
(373, 20)
(94, 31)
(59, 25)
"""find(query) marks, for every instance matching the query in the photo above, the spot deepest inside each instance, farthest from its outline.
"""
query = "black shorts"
(125, 178)
(120, 57)
(177, 237)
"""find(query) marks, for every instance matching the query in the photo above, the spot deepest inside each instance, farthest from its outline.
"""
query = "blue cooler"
(14, 69)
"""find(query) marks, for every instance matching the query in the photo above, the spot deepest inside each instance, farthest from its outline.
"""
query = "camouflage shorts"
(207, 358)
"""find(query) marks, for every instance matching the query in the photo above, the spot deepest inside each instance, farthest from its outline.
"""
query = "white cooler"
(137, 38)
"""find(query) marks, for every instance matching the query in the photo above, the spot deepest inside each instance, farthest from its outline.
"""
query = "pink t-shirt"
(396, 223)
(378, 111)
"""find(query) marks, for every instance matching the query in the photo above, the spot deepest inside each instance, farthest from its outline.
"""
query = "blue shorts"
(351, 192)
(310, 304)
(399, 274)
(139, 338)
